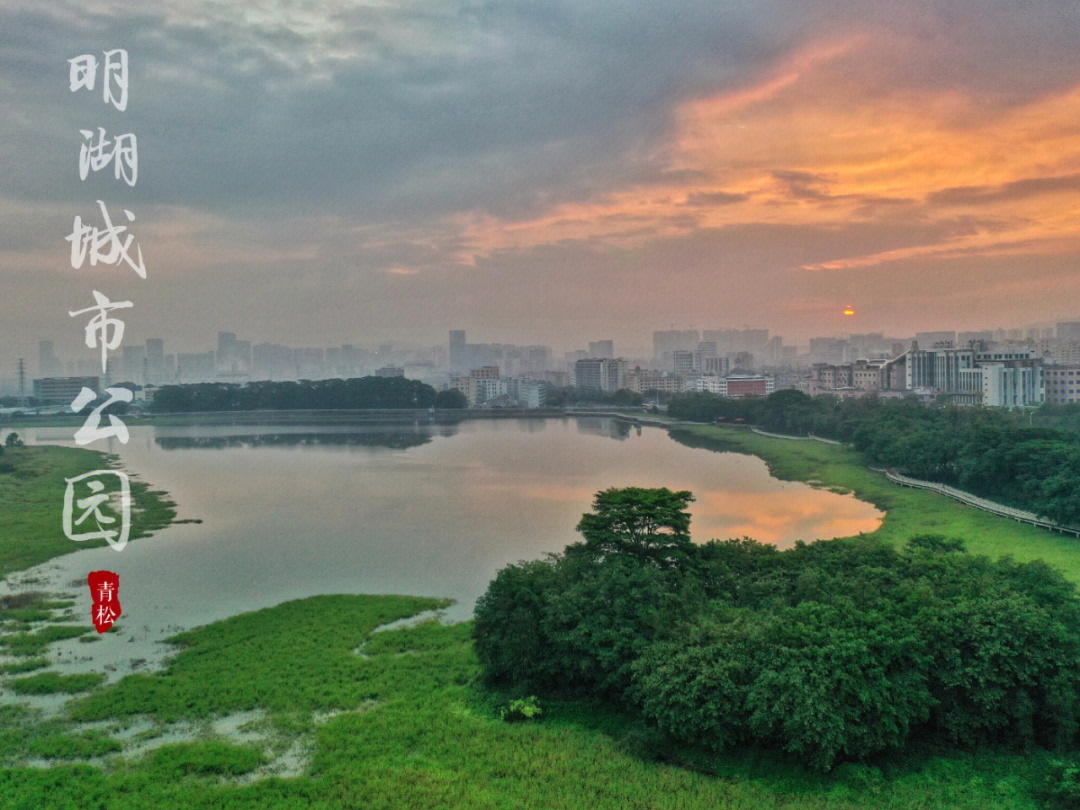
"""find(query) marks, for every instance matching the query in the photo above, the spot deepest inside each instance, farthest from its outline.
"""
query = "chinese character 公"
(92, 431)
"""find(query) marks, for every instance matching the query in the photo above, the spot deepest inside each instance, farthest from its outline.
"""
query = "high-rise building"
(195, 367)
(600, 374)
(667, 342)
(1068, 330)
(604, 349)
(271, 361)
(310, 364)
(155, 360)
(456, 348)
(48, 364)
(233, 356)
(683, 362)
(133, 364)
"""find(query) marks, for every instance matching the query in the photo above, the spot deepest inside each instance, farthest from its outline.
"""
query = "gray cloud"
(1016, 190)
(357, 132)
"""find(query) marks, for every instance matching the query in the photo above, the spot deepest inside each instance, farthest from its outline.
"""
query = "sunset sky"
(319, 173)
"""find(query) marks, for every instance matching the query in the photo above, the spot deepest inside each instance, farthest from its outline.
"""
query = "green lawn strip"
(416, 731)
(32, 485)
(907, 511)
(23, 736)
(31, 644)
(26, 665)
(50, 683)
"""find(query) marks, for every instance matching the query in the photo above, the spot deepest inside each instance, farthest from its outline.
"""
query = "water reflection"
(436, 510)
(394, 439)
(602, 426)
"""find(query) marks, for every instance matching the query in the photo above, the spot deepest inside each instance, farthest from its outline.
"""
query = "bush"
(818, 681)
(451, 399)
(1062, 785)
(508, 625)
(831, 652)
(522, 710)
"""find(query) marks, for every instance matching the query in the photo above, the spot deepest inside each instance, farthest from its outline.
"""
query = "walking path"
(1001, 510)
(981, 503)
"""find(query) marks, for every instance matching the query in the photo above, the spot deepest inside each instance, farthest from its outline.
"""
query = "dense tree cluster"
(987, 451)
(832, 651)
(570, 395)
(357, 393)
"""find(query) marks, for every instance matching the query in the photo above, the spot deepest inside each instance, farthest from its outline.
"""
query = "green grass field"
(359, 718)
(394, 719)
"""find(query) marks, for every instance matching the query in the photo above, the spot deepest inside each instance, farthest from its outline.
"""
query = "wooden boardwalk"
(1009, 512)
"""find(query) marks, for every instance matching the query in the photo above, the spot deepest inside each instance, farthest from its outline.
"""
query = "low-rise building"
(644, 380)
(747, 385)
(1062, 384)
(63, 390)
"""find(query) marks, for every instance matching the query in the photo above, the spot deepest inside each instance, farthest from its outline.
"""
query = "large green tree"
(646, 524)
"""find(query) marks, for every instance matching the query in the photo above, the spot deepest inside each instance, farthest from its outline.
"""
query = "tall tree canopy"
(647, 524)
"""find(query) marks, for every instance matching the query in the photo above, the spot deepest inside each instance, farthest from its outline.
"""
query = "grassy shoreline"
(359, 717)
(32, 491)
(907, 512)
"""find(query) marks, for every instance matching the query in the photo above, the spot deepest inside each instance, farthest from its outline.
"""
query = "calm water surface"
(436, 511)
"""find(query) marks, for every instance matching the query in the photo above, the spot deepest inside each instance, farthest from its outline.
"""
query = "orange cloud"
(807, 145)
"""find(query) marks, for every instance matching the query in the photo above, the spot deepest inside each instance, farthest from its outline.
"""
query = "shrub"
(508, 625)
(1061, 787)
(522, 710)
(818, 681)
(831, 652)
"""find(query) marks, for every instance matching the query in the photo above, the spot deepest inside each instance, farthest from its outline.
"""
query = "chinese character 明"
(102, 330)
(92, 431)
(104, 244)
(82, 73)
(97, 152)
(104, 592)
(87, 494)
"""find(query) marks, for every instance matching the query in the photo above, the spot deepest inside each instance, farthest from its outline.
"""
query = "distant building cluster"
(972, 375)
(485, 387)
(999, 368)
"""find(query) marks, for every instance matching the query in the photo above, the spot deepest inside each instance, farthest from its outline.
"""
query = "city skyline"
(239, 360)
(552, 169)
(1060, 330)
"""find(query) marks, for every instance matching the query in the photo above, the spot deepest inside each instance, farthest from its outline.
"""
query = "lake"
(427, 510)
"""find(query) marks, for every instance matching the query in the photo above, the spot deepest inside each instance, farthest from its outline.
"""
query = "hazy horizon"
(548, 172)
